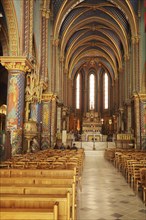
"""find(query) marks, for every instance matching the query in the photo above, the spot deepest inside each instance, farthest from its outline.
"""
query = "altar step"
(94, 146)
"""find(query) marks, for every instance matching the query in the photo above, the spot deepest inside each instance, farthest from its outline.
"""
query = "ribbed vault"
(99, 30)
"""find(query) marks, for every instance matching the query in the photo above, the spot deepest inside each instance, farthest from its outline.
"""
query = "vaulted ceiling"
(94, 30)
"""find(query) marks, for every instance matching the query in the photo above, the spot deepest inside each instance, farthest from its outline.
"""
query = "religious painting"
(12, 119)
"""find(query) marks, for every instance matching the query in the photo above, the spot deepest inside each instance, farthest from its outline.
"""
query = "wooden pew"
(34, 180)
(36, 190)
(17, 187)
(38, 202)
(34, 213)
(65, 173)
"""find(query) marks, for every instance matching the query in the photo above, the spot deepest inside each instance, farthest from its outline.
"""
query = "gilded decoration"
(26, 27)
(34, 88)
(30, 131)
(16, 63)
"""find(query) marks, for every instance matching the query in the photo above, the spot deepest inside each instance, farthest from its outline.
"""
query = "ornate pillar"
(17, 67)
(46, 120)
(27, 33)
(49, 121)
(44, 42)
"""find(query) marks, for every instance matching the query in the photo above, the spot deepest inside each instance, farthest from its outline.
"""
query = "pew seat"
(38, 202)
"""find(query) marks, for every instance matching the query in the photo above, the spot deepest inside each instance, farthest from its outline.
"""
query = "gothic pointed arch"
(12, 25)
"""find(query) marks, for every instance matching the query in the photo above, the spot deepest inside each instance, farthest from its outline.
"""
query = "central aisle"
(105, 194)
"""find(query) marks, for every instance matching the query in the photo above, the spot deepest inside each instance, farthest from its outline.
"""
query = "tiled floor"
(105, 194)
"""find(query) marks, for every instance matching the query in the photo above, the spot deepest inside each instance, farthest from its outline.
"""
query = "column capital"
(16, 63)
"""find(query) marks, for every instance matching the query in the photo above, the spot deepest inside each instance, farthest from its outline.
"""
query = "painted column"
(46, 120)
(17, 67)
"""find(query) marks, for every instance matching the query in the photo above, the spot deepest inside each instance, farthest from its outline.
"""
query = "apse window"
(78, 91)
(92, 91)
(106, 91)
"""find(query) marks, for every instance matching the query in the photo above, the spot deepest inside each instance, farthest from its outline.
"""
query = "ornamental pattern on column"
(17, 66)
(46, 120)
(43, 44)
(28, 27)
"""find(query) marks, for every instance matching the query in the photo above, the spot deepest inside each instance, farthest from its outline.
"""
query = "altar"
(92, 125)
(92, 136)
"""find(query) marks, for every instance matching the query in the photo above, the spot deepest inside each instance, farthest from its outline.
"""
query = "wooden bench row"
(31, 214)
(39, 193)
(65, 173)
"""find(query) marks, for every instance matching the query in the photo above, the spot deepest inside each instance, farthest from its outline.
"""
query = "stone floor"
(105, 194)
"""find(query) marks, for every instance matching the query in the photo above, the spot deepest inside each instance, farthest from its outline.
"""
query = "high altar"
(92, 127)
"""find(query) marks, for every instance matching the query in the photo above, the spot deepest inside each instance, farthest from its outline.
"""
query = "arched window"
(78, 91)
(106, 91)
(92, 91)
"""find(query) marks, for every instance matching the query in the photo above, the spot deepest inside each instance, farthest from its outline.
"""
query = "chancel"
(72, 109)
(92, 126)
